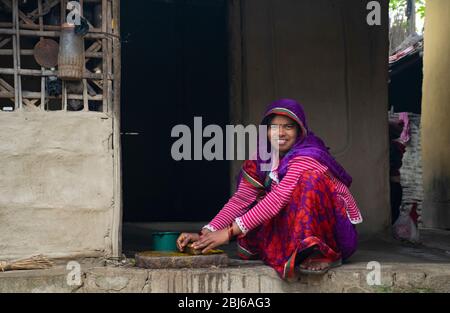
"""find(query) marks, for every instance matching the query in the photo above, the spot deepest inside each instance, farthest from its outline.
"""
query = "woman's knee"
(315, 180)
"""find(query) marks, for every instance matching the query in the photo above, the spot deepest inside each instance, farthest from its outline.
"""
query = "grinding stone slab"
(156, 259)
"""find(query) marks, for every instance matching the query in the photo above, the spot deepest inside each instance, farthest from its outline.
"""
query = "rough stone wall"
(56, 184)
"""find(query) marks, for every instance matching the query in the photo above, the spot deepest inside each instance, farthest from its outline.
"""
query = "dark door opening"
(174, 67)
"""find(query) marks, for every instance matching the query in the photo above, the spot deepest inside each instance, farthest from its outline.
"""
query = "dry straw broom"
(32, 263)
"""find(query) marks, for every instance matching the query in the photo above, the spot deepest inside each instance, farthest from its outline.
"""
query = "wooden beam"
(46, 27)
(5, 85)
(117, 150)
(16, 61)
(41, 27)
(37, 95)
(109, 59)
(12, 6)
(105, 55)
(4, 41)
(46, 7)
(26, 72)
(28, 52)
(45, 33)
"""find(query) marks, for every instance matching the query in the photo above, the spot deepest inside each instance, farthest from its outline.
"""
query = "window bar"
(18, 86)
(117, 66)
(63, 83)
(110, 60)
(27, 72)
(48, 33)
(85, 93)
(41, 28)
(4, 41)
(64, 96)
(15, 70)
(105, 55)
(63, 11)
(85, 96)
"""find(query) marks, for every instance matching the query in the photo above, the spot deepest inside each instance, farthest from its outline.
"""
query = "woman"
(299, 215)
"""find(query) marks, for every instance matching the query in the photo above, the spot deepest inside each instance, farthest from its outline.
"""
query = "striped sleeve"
(353, 211)
(309, 164)
(236, 206)
(275, 200)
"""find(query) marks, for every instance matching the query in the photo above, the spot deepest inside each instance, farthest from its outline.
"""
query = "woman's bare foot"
(313, 265)
(317, 265)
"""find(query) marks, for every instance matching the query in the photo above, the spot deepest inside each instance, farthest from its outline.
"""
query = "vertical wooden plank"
(85, 93)
(82, 7)
(85, 96)
(105, 55)
(110, 58)
(16, 76)
(64, 96)
(117, 149)
(63, 11)
(17, 54)
(85, 89)
(64, 89)
(41, 28)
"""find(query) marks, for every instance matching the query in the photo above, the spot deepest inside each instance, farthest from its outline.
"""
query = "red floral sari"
(314, 218)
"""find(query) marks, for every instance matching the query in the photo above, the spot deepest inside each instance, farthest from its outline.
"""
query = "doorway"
(174, 67)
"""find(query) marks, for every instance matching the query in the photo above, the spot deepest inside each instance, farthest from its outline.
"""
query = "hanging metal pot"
(71, 60)
(46, 53)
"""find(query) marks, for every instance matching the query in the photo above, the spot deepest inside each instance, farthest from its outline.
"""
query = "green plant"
(420, 9)
(397, 5)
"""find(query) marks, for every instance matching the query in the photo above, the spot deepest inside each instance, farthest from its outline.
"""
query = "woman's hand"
(186, 238)
(211, 240)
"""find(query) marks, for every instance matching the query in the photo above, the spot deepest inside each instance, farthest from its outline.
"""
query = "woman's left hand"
(211, 240)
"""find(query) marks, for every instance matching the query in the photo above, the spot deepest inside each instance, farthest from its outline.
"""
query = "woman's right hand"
(185, 238)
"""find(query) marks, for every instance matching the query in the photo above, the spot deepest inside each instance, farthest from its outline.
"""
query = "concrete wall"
(56, 184)
(323, 54)
(435, 115)
(396, 277)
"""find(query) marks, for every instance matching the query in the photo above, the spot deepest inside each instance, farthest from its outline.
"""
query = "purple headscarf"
(307, 144)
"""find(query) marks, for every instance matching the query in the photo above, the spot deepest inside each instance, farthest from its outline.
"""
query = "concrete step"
(402, 267)
(238, 278)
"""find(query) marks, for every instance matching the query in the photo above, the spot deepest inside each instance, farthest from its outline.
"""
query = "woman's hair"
(268, 119)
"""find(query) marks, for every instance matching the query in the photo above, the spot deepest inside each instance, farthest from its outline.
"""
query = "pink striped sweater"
(270, 205)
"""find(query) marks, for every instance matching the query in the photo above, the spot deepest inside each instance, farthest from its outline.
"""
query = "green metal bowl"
(165, 241)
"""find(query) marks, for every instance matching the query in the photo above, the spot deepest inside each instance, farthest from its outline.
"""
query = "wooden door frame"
(236, 106)
(117, 219)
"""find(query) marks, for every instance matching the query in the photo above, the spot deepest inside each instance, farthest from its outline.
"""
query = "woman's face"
(282, 133)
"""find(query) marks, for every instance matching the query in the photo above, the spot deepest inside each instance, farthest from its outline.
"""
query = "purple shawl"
(307, 144)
